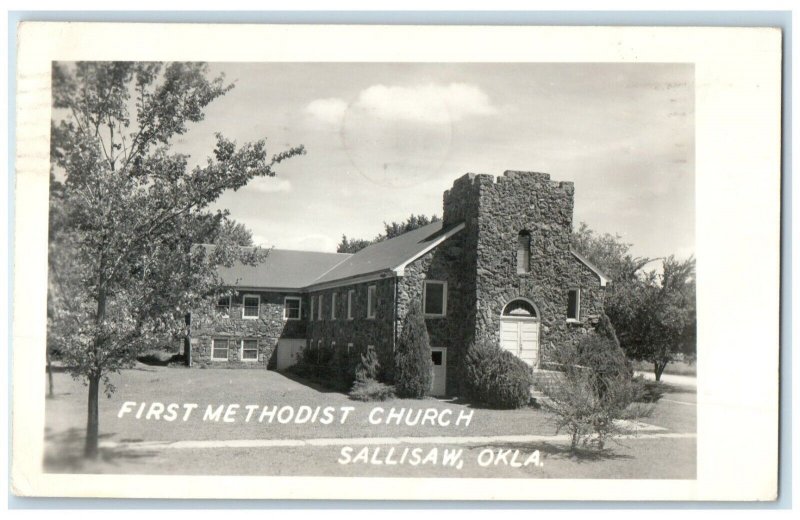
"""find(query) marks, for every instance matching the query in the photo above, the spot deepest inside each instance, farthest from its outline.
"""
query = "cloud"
(329, 110)
(312, 242)
(270, 185)
(426, 103)
(430, 103)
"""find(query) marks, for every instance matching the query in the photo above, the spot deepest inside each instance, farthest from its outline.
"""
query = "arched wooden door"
(519, 330)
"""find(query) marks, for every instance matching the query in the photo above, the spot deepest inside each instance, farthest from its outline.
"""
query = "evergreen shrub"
(495, 377)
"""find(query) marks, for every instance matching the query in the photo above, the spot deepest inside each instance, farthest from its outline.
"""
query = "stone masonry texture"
(479, 265)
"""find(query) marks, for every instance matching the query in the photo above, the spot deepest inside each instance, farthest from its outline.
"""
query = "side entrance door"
(439, 358)
(288, 350)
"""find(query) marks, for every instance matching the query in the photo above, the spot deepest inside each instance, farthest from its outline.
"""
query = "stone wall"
(360, 330)
(446, 331)
(494, 213)
(268, 328)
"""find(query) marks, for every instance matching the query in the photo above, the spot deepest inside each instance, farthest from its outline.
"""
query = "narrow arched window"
(524, 252)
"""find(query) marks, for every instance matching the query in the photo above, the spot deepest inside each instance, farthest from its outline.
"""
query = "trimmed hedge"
(495, 377)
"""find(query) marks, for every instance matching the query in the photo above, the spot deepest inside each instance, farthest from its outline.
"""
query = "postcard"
(396, 262)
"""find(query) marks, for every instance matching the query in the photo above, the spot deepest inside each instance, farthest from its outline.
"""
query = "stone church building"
(498, 265)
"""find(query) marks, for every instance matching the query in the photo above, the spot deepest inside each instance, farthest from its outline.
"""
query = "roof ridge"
(349, 256)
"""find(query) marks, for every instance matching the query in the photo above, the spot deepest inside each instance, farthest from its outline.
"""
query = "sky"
(385, 140)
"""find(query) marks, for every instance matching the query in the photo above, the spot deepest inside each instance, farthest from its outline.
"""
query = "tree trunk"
(659, 369)
(50, 391)
(93, 418)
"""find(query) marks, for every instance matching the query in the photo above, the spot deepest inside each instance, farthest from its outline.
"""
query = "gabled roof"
(297, 270)
(604, 280)
(283, 269)
(393, 254)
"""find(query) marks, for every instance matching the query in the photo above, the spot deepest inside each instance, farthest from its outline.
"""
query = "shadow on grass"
(314, 385)
(670, 388)
(461, 401)
(162, 359)
(64, 454)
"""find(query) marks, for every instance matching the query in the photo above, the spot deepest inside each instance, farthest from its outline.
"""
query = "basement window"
(219, 349)
(574, 305)
(250, 306)
(434, 298)
(249, 350)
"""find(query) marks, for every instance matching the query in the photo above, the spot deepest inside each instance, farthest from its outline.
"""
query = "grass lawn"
(66, 415)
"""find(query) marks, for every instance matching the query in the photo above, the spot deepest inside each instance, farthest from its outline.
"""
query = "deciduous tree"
(653, 314)
(123, 267)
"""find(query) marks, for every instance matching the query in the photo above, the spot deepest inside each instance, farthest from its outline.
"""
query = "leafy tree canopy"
(127, 212)
(654, 315)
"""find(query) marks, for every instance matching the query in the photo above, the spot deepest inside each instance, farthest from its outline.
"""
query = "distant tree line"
(391, 230)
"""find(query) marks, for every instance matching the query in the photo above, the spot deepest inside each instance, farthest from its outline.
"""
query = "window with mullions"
(249, 350)
(291, 308)
(250, 305)
(224, 306)
(219, 349)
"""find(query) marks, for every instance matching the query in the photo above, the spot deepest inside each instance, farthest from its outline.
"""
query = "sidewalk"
(670, 379)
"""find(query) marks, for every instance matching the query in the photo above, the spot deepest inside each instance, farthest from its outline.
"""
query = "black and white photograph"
(373, 268)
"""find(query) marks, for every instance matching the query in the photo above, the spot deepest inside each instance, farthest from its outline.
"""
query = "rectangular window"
(249, 350)
(319, 308)
(333, 345)
(434, 298)
(574, 305)
(349, 347)
(311, 314)
(219, 350)
(250, 306)
(224, 306)
(371, 301)
(350, 296)
(333, 306)
(291, 308)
